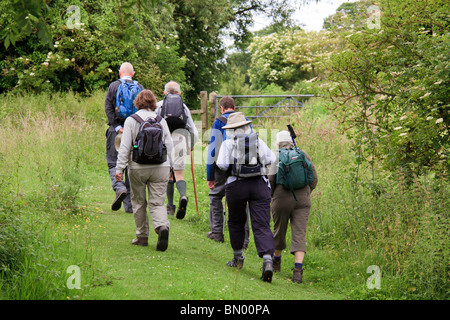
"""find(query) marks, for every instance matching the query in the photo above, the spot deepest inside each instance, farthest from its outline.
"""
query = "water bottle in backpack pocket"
(149, 147)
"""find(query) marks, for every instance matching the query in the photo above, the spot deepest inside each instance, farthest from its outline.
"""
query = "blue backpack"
(126, 93)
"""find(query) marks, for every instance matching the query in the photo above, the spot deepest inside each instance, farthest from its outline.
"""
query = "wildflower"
(31, 73)
(403, 117)
(403, 134)
(72, 40)
(429, 118)
(397, 128)
(439, 120)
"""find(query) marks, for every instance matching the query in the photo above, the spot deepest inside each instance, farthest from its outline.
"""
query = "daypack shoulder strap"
(137, 118)
(223, 119)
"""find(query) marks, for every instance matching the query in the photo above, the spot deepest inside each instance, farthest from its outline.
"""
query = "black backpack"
(173, 112)
(149, 147)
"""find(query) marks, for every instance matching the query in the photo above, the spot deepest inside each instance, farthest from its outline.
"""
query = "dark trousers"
(256, 193)
(111, 159)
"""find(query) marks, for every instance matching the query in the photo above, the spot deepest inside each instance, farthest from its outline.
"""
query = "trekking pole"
(224, 216)
(293, 135)
(193, 180)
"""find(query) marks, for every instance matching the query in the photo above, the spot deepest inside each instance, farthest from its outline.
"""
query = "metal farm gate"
(286, 101)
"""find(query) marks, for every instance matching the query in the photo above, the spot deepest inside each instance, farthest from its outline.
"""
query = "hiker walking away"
(119, 97)
(184, 136)
(245, 157)
(290, 205)
(216, 178)
(151, 174)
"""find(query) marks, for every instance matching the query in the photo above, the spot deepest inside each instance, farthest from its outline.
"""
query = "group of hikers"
(146, 147)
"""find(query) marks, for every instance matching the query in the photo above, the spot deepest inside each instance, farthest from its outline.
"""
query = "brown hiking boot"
(117, 203)
(170, 209)
(297, 275)
(276, 265)
(216, 236)
(143, 241)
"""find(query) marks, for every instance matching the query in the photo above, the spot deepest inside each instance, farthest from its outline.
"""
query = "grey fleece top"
(130, 131)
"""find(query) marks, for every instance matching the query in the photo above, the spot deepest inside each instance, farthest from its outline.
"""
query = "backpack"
(149, 147)
(126, 93)
(294, 170)
(246, 163)
(173, 112)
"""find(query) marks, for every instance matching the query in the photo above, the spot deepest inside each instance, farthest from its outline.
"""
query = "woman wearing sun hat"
(254, 191)
(285, 208)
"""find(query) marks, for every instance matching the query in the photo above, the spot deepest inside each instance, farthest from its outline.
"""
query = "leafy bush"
(390, 86)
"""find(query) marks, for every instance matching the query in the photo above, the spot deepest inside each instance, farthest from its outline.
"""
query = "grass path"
(193, 267)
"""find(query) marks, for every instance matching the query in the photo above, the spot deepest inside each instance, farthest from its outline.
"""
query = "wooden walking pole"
(193, 180)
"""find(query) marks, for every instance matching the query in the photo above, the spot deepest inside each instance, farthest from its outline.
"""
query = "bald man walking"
(116, 122)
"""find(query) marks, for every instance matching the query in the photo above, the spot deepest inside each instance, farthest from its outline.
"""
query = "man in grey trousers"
(121, 188)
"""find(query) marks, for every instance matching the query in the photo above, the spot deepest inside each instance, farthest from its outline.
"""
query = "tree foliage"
(284, 58)
(79, 45)
(391, 86)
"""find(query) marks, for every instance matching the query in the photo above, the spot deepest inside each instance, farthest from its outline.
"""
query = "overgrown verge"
(44, 240)
(372, 233)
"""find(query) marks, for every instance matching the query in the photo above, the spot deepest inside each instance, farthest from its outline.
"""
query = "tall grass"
(363, 216)
(360, 217)
(48, 145)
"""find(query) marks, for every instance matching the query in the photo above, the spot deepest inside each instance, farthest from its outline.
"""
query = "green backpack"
(294, 170)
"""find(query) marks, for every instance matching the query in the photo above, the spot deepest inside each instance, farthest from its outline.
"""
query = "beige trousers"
(154, 179)
(284, 210)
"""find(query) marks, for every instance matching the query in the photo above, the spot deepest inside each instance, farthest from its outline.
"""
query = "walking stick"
(293, 135)
(193, 180)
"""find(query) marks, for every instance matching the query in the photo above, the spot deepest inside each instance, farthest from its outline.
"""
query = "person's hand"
(211, 184)
(118, 176)
(120, 130)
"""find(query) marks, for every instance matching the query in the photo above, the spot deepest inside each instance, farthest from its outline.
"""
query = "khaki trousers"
(154, 179)
(284, 210)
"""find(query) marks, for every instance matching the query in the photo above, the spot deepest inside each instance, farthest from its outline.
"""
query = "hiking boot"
(297, 276)
(182, 205)
(236, 262)
(163, 239)
(267, 271)
(216, 236)
(143, 241)
(117, 203)
(276, 265)
(171, 209)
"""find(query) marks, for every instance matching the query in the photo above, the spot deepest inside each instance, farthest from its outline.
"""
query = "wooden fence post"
(204, 108)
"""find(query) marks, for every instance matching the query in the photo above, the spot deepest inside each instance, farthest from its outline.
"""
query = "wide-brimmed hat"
(117, 141)
(236, 120)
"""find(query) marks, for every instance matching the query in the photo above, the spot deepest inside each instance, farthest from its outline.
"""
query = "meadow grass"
(56, 213)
